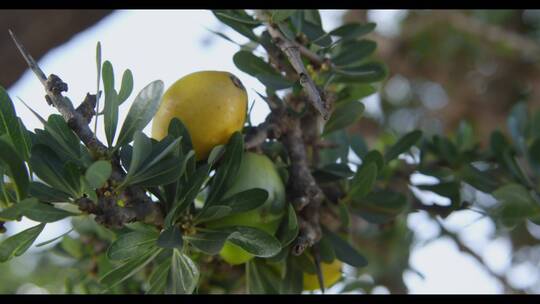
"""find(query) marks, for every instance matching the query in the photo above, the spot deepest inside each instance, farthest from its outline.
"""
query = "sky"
(166, 45)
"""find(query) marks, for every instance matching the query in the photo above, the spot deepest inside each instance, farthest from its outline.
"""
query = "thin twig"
(466, 249)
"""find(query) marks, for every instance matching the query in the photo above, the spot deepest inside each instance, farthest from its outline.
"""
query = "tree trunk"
(41, 31)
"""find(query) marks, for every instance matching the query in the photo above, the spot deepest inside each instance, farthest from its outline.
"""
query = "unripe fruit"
(256, 171)
(211, 104)
(331, 274)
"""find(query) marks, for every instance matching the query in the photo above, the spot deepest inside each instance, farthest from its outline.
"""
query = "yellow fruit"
(331, 274)
(256, 171)
(211, 104)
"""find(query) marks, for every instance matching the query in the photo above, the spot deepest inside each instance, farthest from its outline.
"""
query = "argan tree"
(145, 210)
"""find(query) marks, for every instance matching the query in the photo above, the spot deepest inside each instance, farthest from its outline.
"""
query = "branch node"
(55, 85)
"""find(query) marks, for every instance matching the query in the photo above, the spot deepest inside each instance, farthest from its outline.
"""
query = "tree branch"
(464, 248)
(138, 206)
(292, 51)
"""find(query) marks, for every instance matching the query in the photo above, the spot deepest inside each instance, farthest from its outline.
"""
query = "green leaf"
(142, 148)
(358, 145)
(248, 63)
(343, 116)
(49, 168)
(403, 145)
(17, 244)
(354, 92)
(213, 213)
(245, 200)
(288, 229)
(332, 172)
(98, 65)
(297, 20)
(126, 87)
(287, 29)
(158, 278)
(353, 52)
(223, 36)
(227, 172)
(261, 279)
(326, 250)
(238, 22)
(450, 190)
(42, 212)
(281, 14)
(375, 157)
(292, 283)
(316, 34)
(363, 180)
(215, 154)
(54, 239)
(132, 244)
(367, 72)
(353, 30)
(72, 247)
(344, 251)
(515, 203)
(111, 102)
(170, 238)
(239, 16)
(313, 16)
(534, 151)
(11, 125)
(184, 274)
(64, 142)
(380, 206)
(16, 168)
(98, 173)
(340, 139)
(142, 111)
(13, 213)
(119, 274)
(178, 130)
(73, 176)
(274, 82)
(480, 180)
(465, 139)
(165, 172)
(208, 241)
(255, 66)
(188, 192)
(255, 241)
(517, 124)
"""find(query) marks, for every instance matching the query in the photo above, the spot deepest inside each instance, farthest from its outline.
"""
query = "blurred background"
(445, 66)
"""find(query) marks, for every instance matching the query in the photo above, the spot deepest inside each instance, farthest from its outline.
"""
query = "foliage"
(47, 173)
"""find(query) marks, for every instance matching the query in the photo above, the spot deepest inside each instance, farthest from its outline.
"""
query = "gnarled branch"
(138, 206)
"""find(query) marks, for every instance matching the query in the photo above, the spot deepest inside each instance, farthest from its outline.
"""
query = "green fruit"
(256, 171)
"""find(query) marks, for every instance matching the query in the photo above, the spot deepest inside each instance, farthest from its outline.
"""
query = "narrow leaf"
(126, 87)
(142, 110)
(403, 145)
(17, 244)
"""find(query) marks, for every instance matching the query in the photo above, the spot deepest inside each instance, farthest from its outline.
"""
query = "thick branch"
(303, 190)
(138, 206)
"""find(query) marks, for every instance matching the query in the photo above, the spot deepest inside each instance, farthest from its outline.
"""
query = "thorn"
(28, 58)
(43, 121)
(317, 256)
